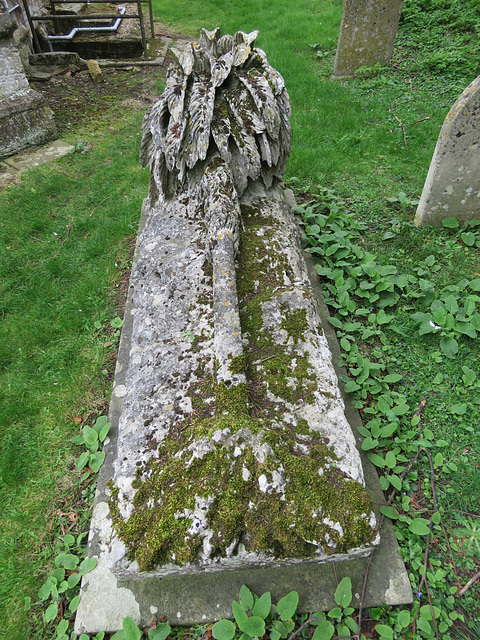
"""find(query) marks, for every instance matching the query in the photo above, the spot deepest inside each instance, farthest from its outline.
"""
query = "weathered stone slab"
(452, 187)
(25, 118)
(367, 34)
(233, 455)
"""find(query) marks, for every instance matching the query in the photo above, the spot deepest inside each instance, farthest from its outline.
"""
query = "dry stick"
(464, 589)
(418, 411)
(417, 121)
(427, 546)
(403, 128)
(98, 206)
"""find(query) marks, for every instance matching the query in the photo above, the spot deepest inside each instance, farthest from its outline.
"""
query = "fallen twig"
(99, 205)
(403, 128)
(464, 589)
(417, 121)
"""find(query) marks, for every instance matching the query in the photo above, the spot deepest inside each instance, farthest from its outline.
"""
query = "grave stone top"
(367, 34)
(452, 187)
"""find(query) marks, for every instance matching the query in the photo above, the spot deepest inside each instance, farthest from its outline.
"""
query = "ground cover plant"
(404, 303)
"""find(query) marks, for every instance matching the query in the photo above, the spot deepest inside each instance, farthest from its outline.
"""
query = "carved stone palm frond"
(263, 97)
(222, 98)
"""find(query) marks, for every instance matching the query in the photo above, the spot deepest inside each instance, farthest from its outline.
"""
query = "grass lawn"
(360, 154)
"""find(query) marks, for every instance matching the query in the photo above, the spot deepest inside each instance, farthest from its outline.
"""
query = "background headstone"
(367, 34)
(452, 187)
(25, 118)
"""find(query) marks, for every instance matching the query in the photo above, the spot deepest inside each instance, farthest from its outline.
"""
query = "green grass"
(66, 232)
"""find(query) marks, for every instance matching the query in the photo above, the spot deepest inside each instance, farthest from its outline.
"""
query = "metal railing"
(56, 17)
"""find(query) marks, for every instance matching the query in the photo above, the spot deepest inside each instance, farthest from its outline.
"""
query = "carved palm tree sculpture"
(220, 127)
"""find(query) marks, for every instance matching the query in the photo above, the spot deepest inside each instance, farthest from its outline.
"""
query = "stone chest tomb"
(233, 455)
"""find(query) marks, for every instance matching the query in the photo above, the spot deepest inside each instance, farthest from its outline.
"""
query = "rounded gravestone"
(452, 187)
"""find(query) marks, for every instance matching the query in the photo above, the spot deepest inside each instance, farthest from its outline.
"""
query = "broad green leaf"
(130, 629)
(246, 598)
(96, 461)
(262, 606)
(73, 579)
(163, 631)
(45, 590)
(388, 430)
(335, 322)
(343, 593)
(391, 460)
(351, 386)
(389, 512)
(90, 435)
(239, 614)
(404, 618)
(254, 626)
(420, 527)
(450, 223)
(438, 460)
(459, 409)
(287, 605)
(103, 433)
(440, 316)
(468, 238)
(430, 260)
(345, 344)
(280, 627)
(377, 460)
(438, 378)
(475, 284)
(384, 631)
(469, 376)
(82, 460)
(58, 574)
(87, 565)
(427, 327)
(449, 346)
(466, 328)
(51, 612)
(395, 482)
(73, 605)
(223, 630)
(383, 318)
(324, 631)
(393, 377)
(424, 626)
(436, 517)
(67, 560)
(368, 444)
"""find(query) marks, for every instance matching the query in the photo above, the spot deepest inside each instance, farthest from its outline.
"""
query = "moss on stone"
(286, 500)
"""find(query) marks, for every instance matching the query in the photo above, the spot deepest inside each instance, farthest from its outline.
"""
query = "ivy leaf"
(343, 593)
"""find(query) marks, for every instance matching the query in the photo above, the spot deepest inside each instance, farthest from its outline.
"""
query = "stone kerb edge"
(106, 599)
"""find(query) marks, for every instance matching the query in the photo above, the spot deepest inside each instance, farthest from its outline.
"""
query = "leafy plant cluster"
(374, 305)
(59, 594)
(445, 32)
